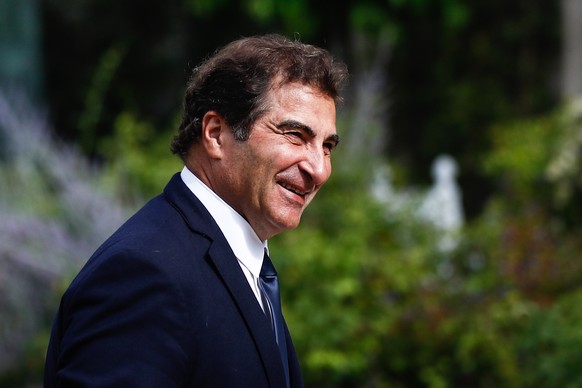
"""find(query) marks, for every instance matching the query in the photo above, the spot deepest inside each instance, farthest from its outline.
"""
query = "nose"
(317, 166)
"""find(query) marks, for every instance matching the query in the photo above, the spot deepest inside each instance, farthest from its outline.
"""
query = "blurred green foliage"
(551, 345)
(139, 157)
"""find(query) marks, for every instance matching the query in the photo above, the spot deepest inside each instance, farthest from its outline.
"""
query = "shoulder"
(121, 300)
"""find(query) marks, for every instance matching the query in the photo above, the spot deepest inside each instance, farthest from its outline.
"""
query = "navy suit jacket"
(164, 303)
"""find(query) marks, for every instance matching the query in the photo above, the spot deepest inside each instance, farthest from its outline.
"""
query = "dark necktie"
(269, 285)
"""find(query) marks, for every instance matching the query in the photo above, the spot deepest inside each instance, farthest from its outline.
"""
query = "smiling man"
(184, 293)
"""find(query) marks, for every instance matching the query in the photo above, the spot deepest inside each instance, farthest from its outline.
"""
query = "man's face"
(272, 177)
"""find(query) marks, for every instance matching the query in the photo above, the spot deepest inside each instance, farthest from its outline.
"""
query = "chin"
(283, 219)
(292, 225)
(285, 224)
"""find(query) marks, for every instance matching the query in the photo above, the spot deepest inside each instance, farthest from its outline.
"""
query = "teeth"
(290, 188)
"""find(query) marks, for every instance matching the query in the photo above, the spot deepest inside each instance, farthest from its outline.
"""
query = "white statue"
(442, 204)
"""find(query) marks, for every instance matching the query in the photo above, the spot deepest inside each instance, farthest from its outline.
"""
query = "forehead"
(304, 103)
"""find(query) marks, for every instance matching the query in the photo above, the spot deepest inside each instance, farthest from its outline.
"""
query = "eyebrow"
(306, 128)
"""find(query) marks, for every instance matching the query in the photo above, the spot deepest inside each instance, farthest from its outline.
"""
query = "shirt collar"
(241, 237)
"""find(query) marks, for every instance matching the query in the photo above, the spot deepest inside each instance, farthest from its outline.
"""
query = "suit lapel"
(229, 270)
(226, 264)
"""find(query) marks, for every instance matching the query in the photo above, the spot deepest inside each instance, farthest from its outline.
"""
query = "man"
(177, 296)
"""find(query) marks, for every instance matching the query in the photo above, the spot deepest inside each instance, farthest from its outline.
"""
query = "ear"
(214, 132)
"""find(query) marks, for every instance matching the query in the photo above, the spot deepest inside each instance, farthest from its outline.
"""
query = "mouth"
(293, 189)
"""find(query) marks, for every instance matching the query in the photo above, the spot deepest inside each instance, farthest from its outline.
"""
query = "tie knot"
(267, 269)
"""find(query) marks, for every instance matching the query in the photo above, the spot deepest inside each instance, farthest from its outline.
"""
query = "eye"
(328, 147)
(295, 137)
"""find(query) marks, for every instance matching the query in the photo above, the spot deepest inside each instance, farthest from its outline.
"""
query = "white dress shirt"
(241, 237)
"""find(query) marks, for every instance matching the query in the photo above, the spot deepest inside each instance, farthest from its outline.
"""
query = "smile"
(293, 189)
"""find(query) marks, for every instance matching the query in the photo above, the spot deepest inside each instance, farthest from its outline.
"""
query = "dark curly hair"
(234, 82)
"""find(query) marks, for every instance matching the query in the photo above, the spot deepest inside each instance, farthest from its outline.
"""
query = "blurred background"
(445, 251)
